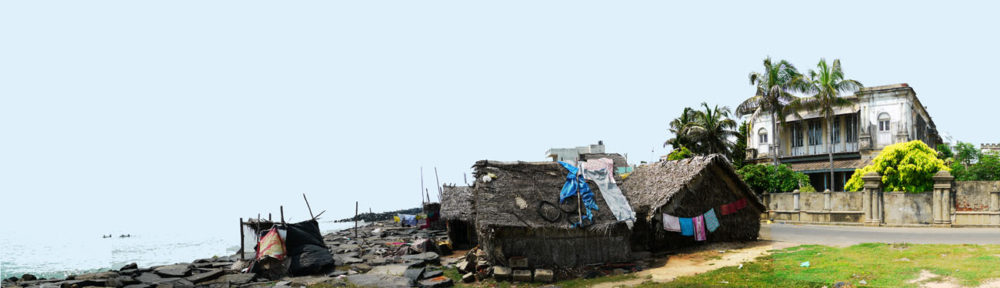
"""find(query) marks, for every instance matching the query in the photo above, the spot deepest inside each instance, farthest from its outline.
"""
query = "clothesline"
(696, 226)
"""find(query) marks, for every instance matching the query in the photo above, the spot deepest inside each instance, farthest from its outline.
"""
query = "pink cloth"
(699, 228)
(597, 164)
(671, 223)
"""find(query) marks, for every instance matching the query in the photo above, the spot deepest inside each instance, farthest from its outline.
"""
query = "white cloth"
(601, 171)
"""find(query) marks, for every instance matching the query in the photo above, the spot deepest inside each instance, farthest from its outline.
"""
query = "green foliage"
(966, 153)
(944, 151)
(764, 177)
(739, 154)
(679, 154)
(986, 169)
(708, 131)
(908, 167)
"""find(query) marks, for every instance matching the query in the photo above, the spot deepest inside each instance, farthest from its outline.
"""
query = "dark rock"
(130, 272)
(414, 274)
(437, 282)
(149, 277)
(12, 279)
(463, 267)
(103, 276)
(28, 277)
(840, 284)
(140, 285)
(175, 282)
(179, 270)
(377, 280)
(361, 267)
(337, 273)
(238, 279)
(469, 277)
(429, 257)
(120, 281)
(205, 276)
(80, 283)
(432, 274)
(129, 266)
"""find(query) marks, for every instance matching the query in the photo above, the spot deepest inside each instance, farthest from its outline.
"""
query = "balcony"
(821, 149)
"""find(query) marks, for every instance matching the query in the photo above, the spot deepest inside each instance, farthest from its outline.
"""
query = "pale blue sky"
(168, 112)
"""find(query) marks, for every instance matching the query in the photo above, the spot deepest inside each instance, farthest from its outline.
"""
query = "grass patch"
(878, 264)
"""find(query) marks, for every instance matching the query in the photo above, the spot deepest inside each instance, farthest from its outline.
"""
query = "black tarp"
(306, 250)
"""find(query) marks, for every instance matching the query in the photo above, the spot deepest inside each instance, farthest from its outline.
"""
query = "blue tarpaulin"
(575, 183)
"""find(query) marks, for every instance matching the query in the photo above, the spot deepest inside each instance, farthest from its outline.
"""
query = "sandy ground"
(700, 260)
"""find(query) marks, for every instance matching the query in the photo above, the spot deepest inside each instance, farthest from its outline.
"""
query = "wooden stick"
(320, 214)
(355, 219)
(308, 207)
(282, 214)
(438, 181)
(422, 189)
(242, 252)
(579, 199)
(269, 217)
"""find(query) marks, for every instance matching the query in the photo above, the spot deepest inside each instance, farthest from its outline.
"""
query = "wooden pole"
(355, 219)
(242, 252)
(308, 207)
(282, 214)
(268, 217)
(422, 189)
(579, 200)
(438, 181)
(428, 193)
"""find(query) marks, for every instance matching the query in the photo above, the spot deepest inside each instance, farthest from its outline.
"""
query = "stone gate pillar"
(942, 204)
(827, 201)
(873, 198)
(995, 198)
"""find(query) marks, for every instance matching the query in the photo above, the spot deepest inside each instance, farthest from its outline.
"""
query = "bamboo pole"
(282, 214)
(355, 219)
(438, 181)
(579, 197)
(243, 252)
(308, 207)
(422, 189)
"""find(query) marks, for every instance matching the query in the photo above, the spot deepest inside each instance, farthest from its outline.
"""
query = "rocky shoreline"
(382, 255)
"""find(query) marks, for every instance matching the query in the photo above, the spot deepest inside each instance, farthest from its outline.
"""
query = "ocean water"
(56, 255)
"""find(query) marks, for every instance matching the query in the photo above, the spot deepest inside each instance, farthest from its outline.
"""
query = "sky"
(167, 113)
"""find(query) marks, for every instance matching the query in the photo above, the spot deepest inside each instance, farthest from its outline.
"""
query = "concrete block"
(522, 275)
(469, 278)
(518, 262)
(544, 275)
(501, 273)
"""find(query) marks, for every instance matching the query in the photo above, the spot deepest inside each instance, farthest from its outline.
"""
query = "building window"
(835, 137)
(851, 123)
(797, 136)
(815, 133)
(883, 122)
(762, 136)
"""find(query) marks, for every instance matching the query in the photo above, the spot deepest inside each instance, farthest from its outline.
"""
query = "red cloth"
(731, 208)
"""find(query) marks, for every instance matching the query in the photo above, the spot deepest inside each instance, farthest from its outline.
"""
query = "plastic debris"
(804, 264)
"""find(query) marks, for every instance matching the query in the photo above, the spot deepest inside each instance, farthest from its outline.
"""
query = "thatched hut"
(518, 214)
(688, 188)
(458, 212)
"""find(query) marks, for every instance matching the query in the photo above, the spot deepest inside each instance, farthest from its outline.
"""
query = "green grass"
(880, 265)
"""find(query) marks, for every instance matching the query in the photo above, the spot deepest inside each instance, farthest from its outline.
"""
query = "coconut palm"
(825, 85)
(774, 87)
(679, 128)
(712, 130)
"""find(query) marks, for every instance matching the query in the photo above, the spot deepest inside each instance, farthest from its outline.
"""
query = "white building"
(880, 116)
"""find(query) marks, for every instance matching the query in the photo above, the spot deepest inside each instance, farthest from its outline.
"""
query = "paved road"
(850, 235)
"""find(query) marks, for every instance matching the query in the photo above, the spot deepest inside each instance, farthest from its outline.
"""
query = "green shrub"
(987, 168)
(763, 177)
(908, 167)
(679, 154)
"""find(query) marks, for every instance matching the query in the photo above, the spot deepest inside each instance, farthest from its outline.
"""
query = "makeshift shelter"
(307, 253)
(458, 212)
(432, 211)
(691, 189)
(518, 214)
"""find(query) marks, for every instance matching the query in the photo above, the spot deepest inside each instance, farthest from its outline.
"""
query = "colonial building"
(879, 116)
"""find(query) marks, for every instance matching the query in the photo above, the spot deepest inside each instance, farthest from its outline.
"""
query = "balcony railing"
(821, 149)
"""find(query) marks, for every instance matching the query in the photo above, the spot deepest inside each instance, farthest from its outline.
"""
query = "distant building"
(573, 154)
(880, 116)
(990, 148)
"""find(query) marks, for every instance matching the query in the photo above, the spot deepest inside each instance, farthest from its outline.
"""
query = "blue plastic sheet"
(575, 183)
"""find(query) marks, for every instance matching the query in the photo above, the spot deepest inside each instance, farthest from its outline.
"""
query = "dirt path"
(700, 260)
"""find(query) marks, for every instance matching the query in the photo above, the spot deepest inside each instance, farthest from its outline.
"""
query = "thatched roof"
(524, 194)
(457, 203)
(652, 186)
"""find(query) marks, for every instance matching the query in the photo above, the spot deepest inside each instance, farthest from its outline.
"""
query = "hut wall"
(558, 248)
(462, 234)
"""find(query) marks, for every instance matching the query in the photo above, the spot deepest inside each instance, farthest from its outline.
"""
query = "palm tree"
(825, 85)
(679, 128)
(773, 92)
(712, 130)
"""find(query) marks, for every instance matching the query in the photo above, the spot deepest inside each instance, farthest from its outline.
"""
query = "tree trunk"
(829, 150)
(774, 142)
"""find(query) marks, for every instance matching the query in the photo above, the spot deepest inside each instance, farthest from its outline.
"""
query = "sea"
(61, 254)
